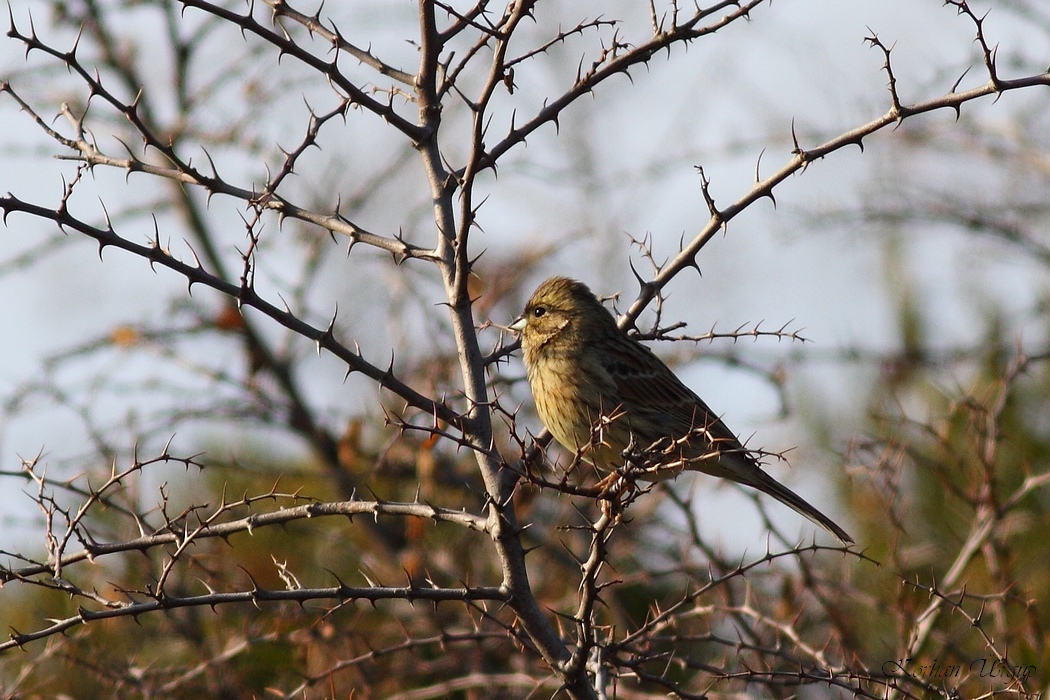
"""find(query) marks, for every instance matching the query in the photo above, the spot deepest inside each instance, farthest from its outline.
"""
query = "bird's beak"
(518, 326)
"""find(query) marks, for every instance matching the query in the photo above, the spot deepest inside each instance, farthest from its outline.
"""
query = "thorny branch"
(256, 596)
(466, 58)
(156, 254)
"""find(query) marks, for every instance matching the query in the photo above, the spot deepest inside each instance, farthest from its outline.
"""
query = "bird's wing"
(659, 404)
(651, 393)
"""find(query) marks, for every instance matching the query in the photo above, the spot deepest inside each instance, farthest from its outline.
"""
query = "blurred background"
(916, 268)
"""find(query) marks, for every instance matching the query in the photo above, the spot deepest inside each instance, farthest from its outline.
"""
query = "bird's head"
(563, 309)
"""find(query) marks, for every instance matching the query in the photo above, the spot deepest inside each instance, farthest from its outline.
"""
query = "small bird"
(609, 399)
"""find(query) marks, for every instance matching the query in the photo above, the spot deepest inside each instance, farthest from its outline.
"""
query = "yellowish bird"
(609, 399)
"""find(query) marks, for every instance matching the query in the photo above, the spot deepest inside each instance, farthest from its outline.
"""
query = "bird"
(609, 399)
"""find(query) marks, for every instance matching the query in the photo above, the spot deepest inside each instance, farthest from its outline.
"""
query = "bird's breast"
(581, 417)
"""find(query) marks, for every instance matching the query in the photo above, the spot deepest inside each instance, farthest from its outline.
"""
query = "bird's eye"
(539, 311)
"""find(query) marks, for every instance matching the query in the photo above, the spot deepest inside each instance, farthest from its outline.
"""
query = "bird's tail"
(768, 485)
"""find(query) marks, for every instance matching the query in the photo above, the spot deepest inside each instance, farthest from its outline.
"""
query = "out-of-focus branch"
(991, 508)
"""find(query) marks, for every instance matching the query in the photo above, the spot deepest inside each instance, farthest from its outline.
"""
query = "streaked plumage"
(603, 394)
